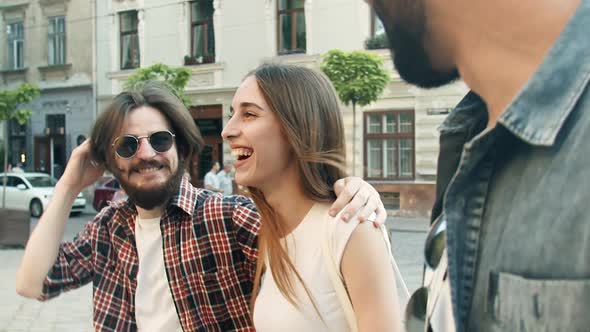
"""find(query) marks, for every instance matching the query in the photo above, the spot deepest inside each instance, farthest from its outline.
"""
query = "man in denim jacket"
(514, 164)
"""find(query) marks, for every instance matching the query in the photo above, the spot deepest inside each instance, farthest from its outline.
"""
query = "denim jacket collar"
(540, 109)
(470, 111)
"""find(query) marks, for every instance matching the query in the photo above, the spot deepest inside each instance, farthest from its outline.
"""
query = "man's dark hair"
(154, 94)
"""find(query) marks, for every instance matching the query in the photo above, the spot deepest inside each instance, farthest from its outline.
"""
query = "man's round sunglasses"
(126, 146)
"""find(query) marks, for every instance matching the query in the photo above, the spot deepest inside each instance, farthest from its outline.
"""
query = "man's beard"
(406, 31)
(150, 198)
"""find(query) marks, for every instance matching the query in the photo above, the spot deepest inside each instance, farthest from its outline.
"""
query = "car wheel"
(36, 208)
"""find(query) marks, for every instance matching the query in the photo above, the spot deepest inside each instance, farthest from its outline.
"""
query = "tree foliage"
(12, 107)
(176, 79)
(359, 76)
(12, 103)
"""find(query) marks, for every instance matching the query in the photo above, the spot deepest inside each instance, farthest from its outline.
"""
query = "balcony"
(198, 60)
(14, 75)
(205, 76)
(59, 71)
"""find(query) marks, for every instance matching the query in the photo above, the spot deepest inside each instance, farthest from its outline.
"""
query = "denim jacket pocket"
(528, 304)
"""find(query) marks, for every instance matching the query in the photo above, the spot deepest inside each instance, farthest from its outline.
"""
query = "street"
(72, 311)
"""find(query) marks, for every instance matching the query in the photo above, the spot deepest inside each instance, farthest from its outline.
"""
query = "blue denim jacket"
(517, 207)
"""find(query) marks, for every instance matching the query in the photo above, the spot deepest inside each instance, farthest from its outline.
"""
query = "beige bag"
(439, 309)
(338, 280)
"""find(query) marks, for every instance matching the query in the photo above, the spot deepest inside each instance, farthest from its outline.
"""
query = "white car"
(32, 192)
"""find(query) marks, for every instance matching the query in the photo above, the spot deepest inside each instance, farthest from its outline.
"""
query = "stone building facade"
(49, 43)
(221, 40)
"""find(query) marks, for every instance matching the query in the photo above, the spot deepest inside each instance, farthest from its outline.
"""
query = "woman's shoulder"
(335, 232)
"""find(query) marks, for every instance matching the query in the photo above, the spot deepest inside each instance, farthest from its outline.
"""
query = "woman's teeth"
(241, 153)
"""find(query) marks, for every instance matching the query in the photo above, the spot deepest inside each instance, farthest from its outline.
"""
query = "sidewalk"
(400, 224)
(70, 312)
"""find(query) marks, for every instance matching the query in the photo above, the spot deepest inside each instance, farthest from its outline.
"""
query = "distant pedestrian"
(211, 180)
(18, 168)
(225, 179)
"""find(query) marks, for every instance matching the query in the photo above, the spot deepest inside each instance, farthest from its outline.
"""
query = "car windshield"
(41, 181)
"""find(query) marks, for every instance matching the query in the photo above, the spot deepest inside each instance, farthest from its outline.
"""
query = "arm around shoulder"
(370, 280)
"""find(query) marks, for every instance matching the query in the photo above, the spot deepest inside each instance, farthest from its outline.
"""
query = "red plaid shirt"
(209, 252)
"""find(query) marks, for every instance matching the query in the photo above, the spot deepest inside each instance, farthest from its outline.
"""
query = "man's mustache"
(149, 164)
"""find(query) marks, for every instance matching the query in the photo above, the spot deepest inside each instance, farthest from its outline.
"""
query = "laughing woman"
(286, 132)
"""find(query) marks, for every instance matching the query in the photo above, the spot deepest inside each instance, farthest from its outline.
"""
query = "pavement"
(72, 311)
(407, 237)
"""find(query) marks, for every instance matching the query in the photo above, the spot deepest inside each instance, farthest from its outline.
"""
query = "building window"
(16, 41)
(129, 40)
(378, 38)
(18, 142)
(55, 124)
(291, 26)
(202, 32)
(376, 25)
(389, 145)
(56, 39)
(17, 129)
(391, 200)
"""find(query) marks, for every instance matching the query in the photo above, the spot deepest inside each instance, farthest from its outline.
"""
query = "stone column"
(218, 30)
(309, 26)
(141, 36)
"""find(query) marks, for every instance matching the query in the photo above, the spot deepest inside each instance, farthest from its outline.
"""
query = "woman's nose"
(230, 130)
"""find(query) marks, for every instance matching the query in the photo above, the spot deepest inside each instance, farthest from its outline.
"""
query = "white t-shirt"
(211, 180)
(272, 311)
(225, 182)
(154, 306)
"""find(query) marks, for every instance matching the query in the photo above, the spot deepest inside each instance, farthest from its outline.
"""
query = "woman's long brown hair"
(306, 105)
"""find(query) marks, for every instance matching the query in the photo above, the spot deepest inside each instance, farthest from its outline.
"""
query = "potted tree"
(359, 77)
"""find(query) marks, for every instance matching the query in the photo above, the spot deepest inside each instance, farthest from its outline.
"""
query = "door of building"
(43, 161)
(42, 154)
(208, 119)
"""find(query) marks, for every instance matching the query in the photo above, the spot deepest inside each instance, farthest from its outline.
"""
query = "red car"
(104, 192)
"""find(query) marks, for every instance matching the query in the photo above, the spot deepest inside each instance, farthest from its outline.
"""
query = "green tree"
(13, 107)
(359, 78)
(176, 79)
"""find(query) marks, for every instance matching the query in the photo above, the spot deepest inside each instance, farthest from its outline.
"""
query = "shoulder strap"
(398, 273)
(337, 279)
